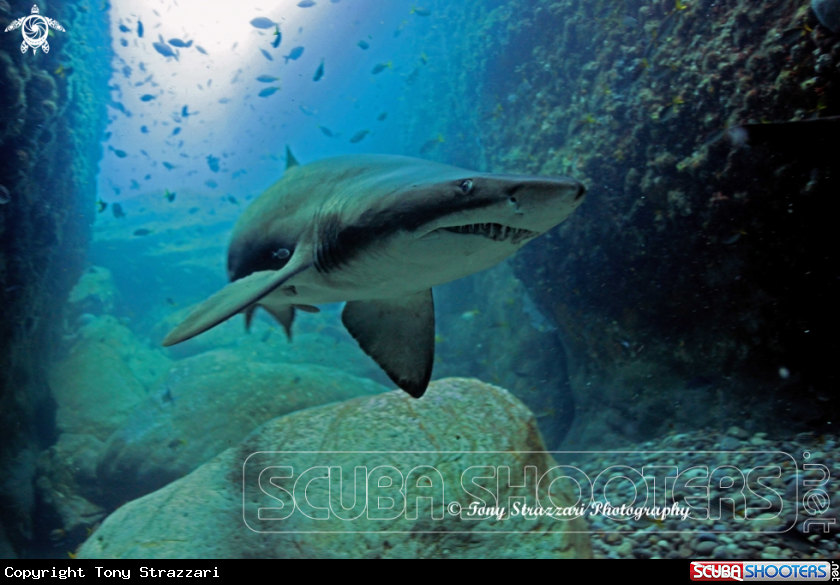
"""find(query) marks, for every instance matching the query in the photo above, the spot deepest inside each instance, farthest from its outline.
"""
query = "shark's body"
(377, 232)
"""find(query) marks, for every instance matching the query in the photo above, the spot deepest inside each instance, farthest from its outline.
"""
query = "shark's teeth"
(494, 231)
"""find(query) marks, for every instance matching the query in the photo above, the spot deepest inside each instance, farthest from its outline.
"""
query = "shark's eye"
(467, 186)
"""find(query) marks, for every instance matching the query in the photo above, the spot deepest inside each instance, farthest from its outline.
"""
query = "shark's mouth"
(494, 231)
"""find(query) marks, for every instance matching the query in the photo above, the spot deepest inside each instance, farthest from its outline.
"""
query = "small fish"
(268, 91)
(424, 59)
(169, 196)
(193, 210)
(57, 534)
(381, 117)
(469, 315)
(420, 11)
(233, 200)
(262, 22)
(176, 131)
(144, 129)
(213, 163)
(307, 111)
(266, 54)
(101, 205)
(180, 44)
(277, 38)
(363, 45)
(142, 232)
(117, 210)
(119, 153)
(320, 72)
(359, 136)
(200, 50)
(5, 196)
(147, 97)
(267, 79)
(326, 131)
(65, 71)
(224, 101)
(140, 29)
(123, 42)
(211, 183)
(164, 50)
(382, 67)
(185, 112)
(294, 55)
(169, 166)
(306, 3)
(430, 144)
(124, 28)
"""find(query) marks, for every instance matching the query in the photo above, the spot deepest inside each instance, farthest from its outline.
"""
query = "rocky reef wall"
(694, 287)
(53, 117)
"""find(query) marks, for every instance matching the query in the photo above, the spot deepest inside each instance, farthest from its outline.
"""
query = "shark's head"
(505, 209)
(451, 222)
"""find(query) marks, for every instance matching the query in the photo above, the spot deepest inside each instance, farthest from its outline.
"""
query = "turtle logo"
(35, 30)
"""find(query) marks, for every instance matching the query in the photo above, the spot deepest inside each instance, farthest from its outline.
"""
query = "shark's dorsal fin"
(399, 334)
(233, 299)
(291, 161)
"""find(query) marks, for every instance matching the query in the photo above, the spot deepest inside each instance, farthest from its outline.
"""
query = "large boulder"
(451, 429)
(204, 405)
(94, 390)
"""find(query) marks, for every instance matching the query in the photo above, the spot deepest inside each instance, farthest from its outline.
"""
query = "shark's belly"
(399, 270)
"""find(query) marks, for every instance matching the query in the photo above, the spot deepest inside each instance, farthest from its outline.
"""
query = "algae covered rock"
(457, 425)
(828, 11)
(146, 363)
(66, 483)
(107, 373)
(204, 405)
(94, 390)
(95, 293)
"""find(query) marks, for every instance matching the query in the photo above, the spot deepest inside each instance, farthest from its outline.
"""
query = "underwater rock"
(95, 293)
(94, 389)
(201, 515)
(147, 364)
(204, 405)
(490, 314)
(66, 482)
(828, 11)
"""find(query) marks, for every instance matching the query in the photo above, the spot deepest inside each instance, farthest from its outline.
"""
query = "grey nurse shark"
(377, 232)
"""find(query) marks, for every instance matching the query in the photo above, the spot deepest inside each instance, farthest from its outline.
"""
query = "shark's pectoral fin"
(233, 299)
(399, 334)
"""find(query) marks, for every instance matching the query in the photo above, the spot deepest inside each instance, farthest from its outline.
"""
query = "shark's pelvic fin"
(284, 315)
(291, 161)
(249, 317)
(233, 299)
(399, 334)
